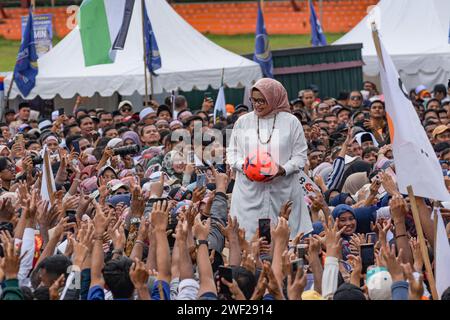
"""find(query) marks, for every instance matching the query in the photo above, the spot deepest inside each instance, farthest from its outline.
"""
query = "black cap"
(241, 107)
(349, 291)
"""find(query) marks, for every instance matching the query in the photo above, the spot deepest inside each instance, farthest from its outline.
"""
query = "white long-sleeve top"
(254, 200)
(26, 264)
(330, 277)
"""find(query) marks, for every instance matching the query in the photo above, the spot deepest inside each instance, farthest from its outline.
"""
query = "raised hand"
(296, 284)
(160, 215)
(137, 201)
(417, 255)
(139, 274)
(272, 284)
(416, 288)
(281, 232)
(398, 208)
(236, 292)
(100, 220)
(198, 195)
(393, 262)
(11, 260)
(388, 184)
(231, 231)
(261, 286)
(248, 262)
(207, 208)
(286, 209)
(201, 228)
(56, 286)
(117, 235)
(356, 263)
(333, 239)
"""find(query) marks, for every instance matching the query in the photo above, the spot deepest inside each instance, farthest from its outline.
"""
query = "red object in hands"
(258, 166)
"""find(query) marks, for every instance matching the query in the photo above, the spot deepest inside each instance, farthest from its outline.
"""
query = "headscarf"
(131, 135)
(3, 147)
(336, 213)
(89, 170)
(275, 95)
(354, 167)
(355, 182)
(168, 162)
(339, 199)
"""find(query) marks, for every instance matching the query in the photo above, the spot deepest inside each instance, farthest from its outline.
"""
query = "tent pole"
(13, 78)
(145, 55)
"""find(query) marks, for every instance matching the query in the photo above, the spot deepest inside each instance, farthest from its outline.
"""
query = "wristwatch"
(198, 243)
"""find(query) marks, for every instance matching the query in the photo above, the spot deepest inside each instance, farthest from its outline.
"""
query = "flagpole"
(145, 55)
(422, 245)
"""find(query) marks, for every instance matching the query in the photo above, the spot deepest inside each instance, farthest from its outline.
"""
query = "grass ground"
(241, 44)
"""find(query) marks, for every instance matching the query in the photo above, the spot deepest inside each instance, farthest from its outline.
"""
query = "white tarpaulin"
(416, 35)
(189, 61)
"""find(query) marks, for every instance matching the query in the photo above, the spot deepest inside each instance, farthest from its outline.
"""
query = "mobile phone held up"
(201, 180)
(367, 256)
(76, 146)
(264, 229)
(227, 274)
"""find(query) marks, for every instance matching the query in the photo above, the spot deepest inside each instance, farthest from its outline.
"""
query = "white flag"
(442, 257)
(416, 163)
(220, 104)
(48, 187)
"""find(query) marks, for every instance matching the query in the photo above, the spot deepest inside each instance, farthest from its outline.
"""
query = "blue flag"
(318, 37)
(26, 69)
(262, 51)
(151, 46)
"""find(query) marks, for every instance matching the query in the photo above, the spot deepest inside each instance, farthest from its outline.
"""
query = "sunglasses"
(126, 109)
(355, 98)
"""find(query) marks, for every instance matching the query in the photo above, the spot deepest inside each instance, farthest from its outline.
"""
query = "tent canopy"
(189, 61)
(416, 35)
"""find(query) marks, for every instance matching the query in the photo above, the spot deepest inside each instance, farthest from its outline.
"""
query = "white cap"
(45, 124)
(125, 102)
(55, 115)
(145, 112)
(114, 142)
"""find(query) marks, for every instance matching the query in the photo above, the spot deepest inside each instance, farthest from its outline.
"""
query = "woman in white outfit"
(270, 127)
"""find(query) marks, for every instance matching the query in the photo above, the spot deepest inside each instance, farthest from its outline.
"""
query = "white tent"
(189, 61)
(416, 35)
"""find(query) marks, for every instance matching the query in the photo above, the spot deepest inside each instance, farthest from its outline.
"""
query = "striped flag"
(48, 187)
(104, 28)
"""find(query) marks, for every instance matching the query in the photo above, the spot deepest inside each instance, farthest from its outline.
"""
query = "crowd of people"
(156, 205)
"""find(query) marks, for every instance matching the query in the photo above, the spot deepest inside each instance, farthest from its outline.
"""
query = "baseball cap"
(439, 129)
(379, 282)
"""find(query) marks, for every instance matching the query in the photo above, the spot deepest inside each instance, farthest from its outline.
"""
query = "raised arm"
(201, 231)
(159, 219)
